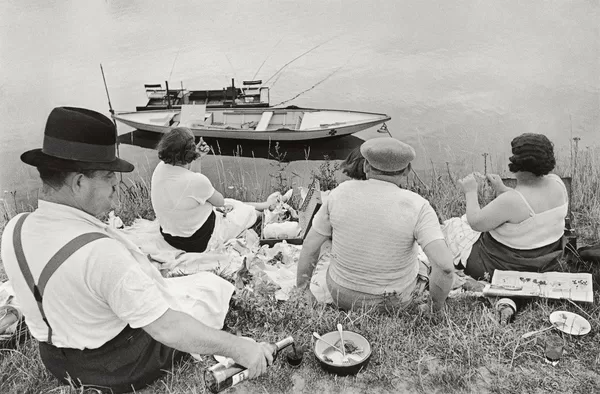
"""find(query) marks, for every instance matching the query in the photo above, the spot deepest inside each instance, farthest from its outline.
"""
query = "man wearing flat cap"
(98, 312)
(375, 226)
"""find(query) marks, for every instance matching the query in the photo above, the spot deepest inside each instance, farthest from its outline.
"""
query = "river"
(458, 78)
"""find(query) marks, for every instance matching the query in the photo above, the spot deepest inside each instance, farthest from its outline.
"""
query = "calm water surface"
(458, 78)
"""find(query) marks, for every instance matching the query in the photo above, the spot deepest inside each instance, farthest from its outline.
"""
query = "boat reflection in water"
(336, 148)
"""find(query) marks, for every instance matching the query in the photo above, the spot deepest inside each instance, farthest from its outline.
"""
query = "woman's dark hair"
(353, 165)
(178, 147)
(532, 153)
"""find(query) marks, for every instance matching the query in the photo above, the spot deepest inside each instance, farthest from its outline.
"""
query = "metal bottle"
(222, 376)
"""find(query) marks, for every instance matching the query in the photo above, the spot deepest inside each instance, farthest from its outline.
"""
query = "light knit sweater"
(375, 227)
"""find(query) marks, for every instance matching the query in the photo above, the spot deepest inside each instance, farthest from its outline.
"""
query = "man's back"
(374, 225)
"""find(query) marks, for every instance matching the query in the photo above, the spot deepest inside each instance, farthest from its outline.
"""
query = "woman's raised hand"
(496, 183)
(202, 147)
(468, 183)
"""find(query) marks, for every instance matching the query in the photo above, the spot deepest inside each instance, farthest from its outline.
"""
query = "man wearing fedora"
(375, 226)
(99, 316)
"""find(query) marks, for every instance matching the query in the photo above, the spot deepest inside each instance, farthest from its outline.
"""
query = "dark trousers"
(130, 361)
(198, 241)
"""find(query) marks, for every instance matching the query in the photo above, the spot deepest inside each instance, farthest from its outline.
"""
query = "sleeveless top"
(539, 229)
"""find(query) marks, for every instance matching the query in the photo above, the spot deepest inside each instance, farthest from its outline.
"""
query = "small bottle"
(506, 308)
(570, 251)
(554, 350)
(222, 376)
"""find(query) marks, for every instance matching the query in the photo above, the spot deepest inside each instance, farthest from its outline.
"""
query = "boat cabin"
(251, 94)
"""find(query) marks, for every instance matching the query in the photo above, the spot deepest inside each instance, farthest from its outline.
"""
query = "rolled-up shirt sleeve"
(118, 279)
(137, 300)
(428, 227)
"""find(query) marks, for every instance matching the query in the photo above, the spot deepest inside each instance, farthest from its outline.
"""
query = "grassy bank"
(463, 350)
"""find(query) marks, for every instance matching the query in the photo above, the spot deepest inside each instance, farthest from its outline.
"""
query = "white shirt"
(179, 198)
(375, 227)
(94, 294)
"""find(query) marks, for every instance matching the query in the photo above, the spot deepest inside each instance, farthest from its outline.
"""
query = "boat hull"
(160, 124)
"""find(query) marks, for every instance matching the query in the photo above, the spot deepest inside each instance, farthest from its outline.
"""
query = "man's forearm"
(440, 284)
(442, 271)
(182, 332)
(309, 256)
(306, 267)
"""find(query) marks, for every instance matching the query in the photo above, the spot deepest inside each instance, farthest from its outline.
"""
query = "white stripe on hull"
(292, 135)
(250, 134)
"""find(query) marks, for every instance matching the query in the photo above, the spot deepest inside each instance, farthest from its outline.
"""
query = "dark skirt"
(489, 255)
(130, 361)
(198, 241)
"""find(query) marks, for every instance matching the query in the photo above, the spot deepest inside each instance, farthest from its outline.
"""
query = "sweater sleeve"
(428, 227)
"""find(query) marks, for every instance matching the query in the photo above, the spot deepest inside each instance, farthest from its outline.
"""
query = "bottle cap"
(503, 302)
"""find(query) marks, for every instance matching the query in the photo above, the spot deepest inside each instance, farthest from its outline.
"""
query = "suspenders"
(55, 262)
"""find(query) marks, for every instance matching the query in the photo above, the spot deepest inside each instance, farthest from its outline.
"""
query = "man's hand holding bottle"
(254, 356)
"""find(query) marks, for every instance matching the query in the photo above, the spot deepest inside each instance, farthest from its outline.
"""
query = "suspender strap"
(50, 268)
(19, 252)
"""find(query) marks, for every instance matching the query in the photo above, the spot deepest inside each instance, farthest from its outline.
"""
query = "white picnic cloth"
(227, 257)
(460, 238)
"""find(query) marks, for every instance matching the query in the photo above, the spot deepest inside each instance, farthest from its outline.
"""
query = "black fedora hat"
(78, 139)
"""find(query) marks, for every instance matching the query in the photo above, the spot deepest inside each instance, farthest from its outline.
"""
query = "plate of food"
(328, 351)
(570, 323)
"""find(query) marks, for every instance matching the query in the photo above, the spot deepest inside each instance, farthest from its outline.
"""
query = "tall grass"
(463, 350)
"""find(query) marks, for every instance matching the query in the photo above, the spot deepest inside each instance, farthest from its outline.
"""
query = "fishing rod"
(312, 87)
(231, 65)
(174, 61)
(384, 129)
(268, 56)
(110, 108)
(298, 57)
(112, 112)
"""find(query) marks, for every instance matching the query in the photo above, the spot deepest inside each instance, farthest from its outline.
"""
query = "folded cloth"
(205, 296)
(9, 319)
(460, 238)
(10, 312)
(233, 223)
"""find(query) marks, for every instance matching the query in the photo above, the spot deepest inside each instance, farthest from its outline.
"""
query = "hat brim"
(37, 158)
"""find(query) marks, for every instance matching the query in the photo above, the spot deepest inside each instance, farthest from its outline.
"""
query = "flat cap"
(387, 154)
